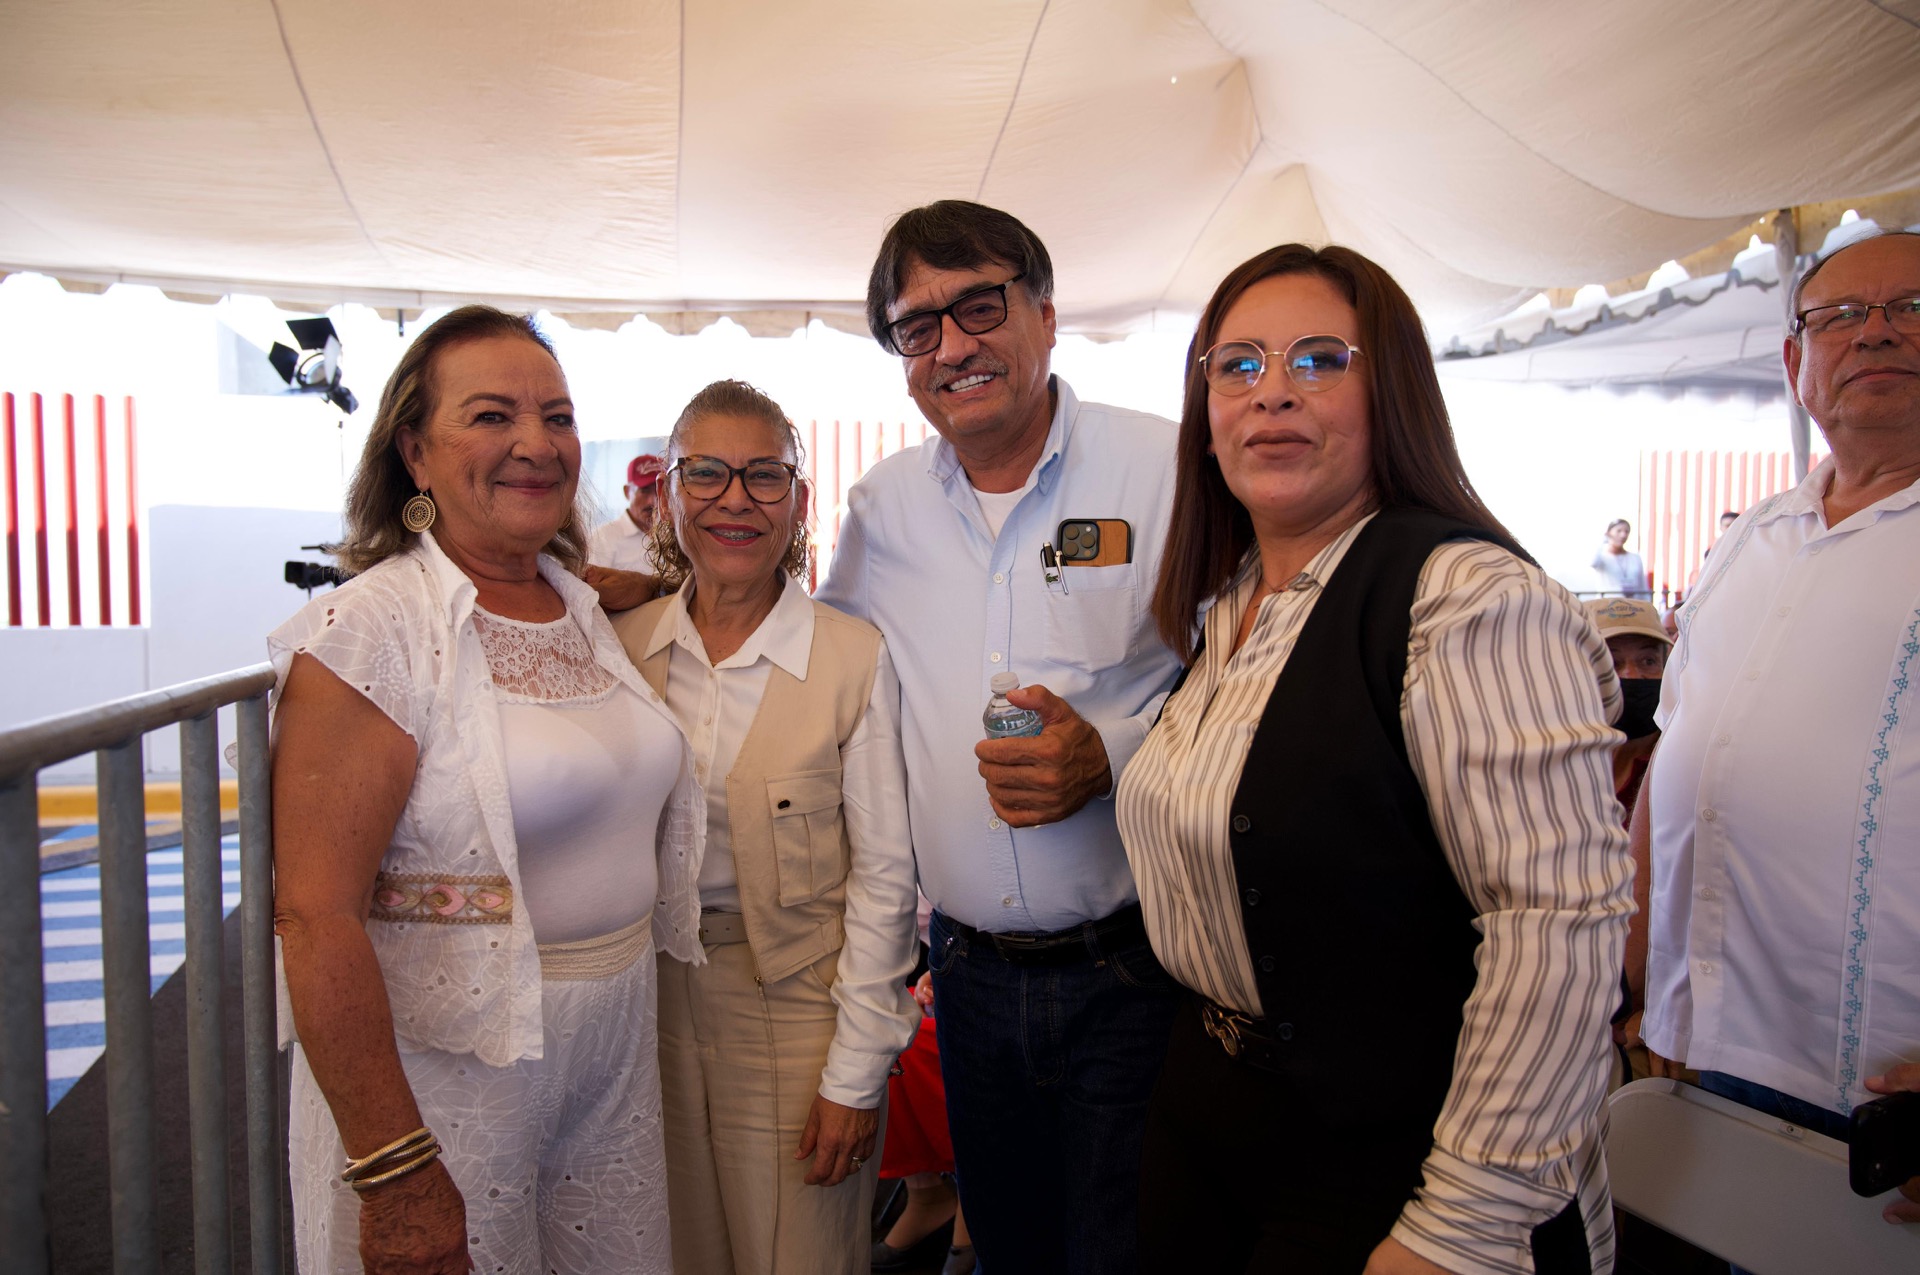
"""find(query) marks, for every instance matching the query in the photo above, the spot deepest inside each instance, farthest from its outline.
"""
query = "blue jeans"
(1049, 1069)
(1782, 1106)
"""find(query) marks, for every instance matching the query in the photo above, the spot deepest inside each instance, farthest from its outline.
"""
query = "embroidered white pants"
(560, 1159)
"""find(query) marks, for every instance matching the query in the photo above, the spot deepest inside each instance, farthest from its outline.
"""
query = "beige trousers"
(740, 1065)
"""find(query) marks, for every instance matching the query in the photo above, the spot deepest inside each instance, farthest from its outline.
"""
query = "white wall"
(1557, 465)
(217, 589)
(53, 671)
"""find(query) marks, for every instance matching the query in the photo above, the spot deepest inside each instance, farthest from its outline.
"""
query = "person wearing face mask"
(1639, 644)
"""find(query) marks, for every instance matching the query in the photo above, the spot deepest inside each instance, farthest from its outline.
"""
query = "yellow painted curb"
(80, 803)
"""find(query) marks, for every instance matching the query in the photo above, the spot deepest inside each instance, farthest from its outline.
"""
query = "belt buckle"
(1224, 1026)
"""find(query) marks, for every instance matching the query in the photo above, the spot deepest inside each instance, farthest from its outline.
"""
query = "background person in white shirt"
(622, 541)
(1782, 810)
(775, 1052)
(1620, 569)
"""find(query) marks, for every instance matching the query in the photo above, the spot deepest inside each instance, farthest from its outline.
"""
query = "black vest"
(1362, 942)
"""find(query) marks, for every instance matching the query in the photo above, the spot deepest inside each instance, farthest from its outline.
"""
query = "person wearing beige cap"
(1639, 644)
(622, 541)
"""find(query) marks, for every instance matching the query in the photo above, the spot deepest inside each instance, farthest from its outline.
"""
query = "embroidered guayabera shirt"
(449, 925)
(1508, 695)
(1784, 936)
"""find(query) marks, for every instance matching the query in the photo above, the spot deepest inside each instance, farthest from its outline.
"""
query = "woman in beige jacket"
(774, 1054)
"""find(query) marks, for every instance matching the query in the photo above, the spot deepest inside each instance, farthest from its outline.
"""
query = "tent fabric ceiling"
(734, 155)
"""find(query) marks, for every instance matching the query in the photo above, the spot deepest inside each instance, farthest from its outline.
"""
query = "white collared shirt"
(716, 704)
(1784, 935)
(619, 543)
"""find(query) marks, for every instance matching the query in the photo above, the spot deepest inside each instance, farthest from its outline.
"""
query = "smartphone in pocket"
(1094, 542)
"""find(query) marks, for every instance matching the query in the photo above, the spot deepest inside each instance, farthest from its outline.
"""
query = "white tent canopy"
(699, 155)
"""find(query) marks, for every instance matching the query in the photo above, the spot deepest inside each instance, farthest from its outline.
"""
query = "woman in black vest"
(1374, 830)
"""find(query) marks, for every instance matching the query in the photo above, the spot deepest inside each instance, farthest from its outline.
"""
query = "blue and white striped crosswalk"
(70, 935)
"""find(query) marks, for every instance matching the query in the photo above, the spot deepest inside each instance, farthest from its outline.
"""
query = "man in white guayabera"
(1782, 810)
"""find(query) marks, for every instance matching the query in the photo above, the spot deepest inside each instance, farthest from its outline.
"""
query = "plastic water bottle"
(1003, 720)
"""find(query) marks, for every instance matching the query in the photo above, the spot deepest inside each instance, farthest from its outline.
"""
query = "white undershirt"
(997, 506)
(589, 769)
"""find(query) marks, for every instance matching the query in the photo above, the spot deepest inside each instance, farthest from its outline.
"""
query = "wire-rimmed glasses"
(1903, 315)
(1314, 363)
(767, 482)
(976, 314)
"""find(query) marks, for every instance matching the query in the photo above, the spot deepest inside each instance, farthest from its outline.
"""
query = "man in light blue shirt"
(1052, 1012)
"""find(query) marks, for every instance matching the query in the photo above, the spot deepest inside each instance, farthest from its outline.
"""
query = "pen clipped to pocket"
(1050, 569)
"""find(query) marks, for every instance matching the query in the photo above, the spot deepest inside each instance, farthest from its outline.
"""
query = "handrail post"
(127, 973)
(23, 1032)
(266, 1152)
(201, 877)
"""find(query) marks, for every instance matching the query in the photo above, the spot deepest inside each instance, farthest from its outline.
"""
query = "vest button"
(1283, 1031)
(1266, 964)
(1252, 897)
(1241, 823)
(784, 803)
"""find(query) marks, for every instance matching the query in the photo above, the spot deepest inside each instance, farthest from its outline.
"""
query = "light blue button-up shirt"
(958, 604)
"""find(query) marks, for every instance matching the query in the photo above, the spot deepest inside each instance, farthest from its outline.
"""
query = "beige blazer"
(790, 849)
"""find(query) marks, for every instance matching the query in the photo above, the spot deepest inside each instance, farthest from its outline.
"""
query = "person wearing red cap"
(621, 541)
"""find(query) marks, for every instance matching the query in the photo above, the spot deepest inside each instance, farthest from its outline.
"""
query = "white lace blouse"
(448, 923)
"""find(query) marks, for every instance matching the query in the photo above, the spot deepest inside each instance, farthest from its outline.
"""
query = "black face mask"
(1642, 695)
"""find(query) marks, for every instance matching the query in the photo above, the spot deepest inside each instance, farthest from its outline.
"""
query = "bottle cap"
(1004, 682)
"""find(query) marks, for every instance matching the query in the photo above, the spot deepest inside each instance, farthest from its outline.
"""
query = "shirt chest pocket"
(1090, 626)
(809, 842)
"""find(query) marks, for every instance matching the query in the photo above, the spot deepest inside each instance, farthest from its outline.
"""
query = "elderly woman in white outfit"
(483, 822)
(775, 1053)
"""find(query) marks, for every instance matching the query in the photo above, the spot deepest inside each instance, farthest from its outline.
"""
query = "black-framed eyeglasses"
(1314, 363)
(1903, 315)
(767, 482)
(976, 313)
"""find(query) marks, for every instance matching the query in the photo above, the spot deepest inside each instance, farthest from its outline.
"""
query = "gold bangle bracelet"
(398, 1149)
(420, 1161)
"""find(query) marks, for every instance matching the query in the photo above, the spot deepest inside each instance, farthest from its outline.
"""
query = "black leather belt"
(1257, 1042)
(1057, 947)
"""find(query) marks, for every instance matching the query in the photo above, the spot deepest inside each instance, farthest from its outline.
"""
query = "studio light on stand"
(315, 367)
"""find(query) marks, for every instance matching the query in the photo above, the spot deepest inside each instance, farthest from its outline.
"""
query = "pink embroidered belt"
(442, 900)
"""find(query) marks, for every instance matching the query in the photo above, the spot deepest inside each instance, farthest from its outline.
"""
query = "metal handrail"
(115, 732)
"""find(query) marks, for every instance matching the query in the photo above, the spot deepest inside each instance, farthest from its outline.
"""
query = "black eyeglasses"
(976, 313)
(1903, 315)
(706, 478)
(1314, 363)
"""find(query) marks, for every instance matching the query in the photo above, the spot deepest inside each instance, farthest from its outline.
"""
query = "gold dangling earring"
(418, 513)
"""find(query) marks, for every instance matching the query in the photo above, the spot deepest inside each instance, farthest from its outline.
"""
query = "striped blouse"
(1507, 698)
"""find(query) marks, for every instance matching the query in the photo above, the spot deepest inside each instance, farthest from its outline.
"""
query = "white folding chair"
(1761, 1193)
